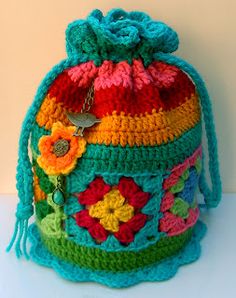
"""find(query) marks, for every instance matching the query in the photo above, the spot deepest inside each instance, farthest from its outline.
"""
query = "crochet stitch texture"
(116, 204)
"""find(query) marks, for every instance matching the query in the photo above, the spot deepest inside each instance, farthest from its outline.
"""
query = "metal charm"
(82, 121)
(61, 147)
(58, 196)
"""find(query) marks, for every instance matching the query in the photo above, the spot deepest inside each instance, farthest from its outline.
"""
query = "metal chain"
(88, 102)
(59, 182)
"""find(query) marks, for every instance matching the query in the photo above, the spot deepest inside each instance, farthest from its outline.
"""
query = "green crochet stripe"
(42, 209)
(102, 158)
(97, 259)
(44, 182)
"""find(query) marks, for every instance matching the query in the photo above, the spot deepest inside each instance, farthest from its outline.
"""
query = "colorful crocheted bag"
(116, 142)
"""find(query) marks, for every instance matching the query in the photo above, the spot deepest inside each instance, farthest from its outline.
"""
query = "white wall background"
(32, 41)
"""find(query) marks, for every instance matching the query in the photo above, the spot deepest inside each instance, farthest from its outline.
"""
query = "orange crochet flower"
(60, 150)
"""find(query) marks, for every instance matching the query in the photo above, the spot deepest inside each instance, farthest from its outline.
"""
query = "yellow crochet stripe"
(149, 129)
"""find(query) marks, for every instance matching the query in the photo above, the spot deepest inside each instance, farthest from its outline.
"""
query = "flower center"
(61, 147)
(111, 210)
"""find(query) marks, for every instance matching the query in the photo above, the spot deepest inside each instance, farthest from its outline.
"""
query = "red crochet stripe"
(163, 94)
(126, 100)
(67, 91)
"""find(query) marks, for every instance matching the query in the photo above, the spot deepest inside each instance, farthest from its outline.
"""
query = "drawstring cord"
(212, 196)
(24, 176)
(24, 186)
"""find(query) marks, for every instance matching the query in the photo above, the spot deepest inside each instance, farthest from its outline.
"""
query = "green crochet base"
(159, 271)
(98, 259)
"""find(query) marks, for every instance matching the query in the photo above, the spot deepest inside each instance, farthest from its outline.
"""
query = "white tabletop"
(213, 275)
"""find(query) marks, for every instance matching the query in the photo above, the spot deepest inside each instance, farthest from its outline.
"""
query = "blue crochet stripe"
(187, 194)
(158, 272)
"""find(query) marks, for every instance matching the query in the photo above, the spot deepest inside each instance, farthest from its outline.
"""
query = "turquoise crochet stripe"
(212, 196)
(156, 272)
(119, 36)
(127, 160)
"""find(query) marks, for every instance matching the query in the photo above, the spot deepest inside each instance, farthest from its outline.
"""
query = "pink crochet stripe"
(83, 73)
(175, 225)
(178, 170)
(134, 76)
(163, 74)
(190, 221)
(167, 201)
(114, 74)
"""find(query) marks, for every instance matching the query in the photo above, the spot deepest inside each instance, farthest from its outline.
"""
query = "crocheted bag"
(116, 142)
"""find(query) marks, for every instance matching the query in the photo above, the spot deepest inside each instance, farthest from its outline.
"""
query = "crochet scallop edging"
(157, 272)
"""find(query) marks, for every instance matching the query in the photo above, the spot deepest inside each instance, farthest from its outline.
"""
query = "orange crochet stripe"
(38, 193)
(150, 129)
(51, 112)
